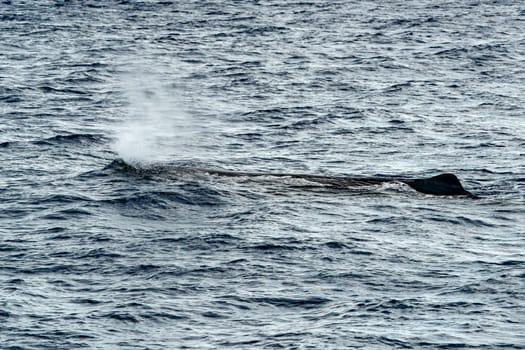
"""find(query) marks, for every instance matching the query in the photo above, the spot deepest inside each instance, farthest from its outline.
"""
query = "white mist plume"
(155, 128)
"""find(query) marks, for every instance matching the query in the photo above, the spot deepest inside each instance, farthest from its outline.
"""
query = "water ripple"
(96, 252)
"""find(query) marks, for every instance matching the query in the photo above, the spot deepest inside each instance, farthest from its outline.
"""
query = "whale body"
(445, 184)
(440, 185)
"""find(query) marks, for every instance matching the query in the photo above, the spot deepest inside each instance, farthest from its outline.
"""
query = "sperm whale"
(445, 184)
(440, 185)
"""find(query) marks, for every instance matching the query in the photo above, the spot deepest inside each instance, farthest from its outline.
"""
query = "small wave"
(273, 247)
(11, 99)
(83, 79)
(387, 306)
(304, 303)
(99, 253)
(396, 343)
(308, 123)
(211, 314)
(162, 316)
(86, 301)
(472, 288)
(121, 316)
(77, 138)
(4, 314)
(61, 198)
(382, 24)
(90, 65)
(67, 214)
(49, 89)
(264, 30)
(397, 87)
(138, 201)
(336, 245)
(278, 114)
(211, 241)
(460, 220)
(458, 305)
(236, 344)
(166, 199)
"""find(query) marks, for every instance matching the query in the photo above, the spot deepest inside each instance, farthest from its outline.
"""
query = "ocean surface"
(102, 247)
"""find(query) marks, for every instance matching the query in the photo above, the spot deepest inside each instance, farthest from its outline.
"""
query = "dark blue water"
(94, 254)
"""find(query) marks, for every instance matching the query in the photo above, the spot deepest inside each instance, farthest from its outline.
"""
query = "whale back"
(441, 185)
